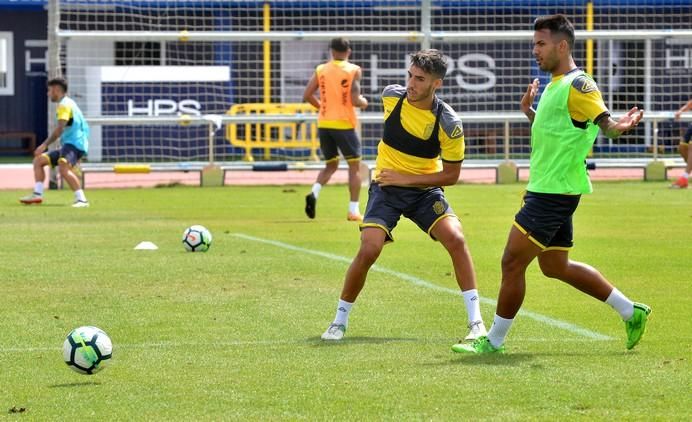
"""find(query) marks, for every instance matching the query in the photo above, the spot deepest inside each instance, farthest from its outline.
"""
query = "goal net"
(130, 63)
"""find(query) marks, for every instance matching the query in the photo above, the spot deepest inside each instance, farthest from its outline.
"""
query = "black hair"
(556, 24)
(431, 61)
(61, 82)
(340, 45)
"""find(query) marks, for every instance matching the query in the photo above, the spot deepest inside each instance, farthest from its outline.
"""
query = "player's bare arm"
(613, 129)
(358, 100)
(527, 100)
(447, 177)
(54, 136)
(310, 89)
(686, 107)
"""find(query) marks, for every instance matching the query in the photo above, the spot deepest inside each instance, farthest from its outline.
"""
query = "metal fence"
(132, 62)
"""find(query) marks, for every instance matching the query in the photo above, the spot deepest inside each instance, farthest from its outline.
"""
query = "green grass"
(16, 159)
(233, 333)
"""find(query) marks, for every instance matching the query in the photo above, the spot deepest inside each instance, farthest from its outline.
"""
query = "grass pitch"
(234, 333)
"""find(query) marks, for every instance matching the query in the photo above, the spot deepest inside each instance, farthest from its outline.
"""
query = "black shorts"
(547, 219)
(688, 135)
(67, 153)
(386, 205)
(334, 140)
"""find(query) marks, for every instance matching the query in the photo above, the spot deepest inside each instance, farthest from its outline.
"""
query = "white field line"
(161, 345)
(567, 326)
(258, 343)
(564, 325)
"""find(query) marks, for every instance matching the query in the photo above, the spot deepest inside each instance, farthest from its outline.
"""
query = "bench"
(140, 169)
(199, 167)
(467, 165)
(301, 166)
(644, 164)
(29, 137)
(294, 166)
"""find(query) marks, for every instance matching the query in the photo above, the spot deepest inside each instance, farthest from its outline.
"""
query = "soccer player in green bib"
(563, 129)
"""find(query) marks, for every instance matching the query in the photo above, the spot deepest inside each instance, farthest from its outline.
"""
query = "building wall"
(26, 110)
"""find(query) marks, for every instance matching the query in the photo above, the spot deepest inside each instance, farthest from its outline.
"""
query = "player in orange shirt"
(338, 82)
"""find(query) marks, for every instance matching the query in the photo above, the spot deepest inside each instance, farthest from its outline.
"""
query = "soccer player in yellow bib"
(685, 150)
(421, 150)
(73, 132)
(563, 129)
(338, 82)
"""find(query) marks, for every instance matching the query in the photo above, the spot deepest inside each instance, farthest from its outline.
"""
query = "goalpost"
(158, 79)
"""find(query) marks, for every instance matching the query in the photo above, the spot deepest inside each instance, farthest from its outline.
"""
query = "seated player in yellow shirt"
(422, 148)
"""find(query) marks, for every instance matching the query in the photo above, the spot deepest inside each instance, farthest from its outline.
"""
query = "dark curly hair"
(431, 61)
(556, 24)
(61, 82)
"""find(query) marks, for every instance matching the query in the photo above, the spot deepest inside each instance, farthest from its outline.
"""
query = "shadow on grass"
(590, 353)
(75, 384)
(512, 359)
(49, 205)
(317, 341)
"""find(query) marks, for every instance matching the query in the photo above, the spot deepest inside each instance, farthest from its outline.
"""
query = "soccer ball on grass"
(197, 239)
(87, 349)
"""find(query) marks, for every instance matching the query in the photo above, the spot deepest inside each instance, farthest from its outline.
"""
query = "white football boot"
(476, 329)
(80, 204)
(335, 332)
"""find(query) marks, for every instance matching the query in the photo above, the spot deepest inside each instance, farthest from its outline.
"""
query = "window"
(6, 64)
(137, 53)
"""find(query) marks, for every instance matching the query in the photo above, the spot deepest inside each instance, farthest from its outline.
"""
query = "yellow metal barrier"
(589, 42)
(131, 168)
(273, 135)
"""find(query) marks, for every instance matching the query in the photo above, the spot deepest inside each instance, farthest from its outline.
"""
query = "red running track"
(20, 176)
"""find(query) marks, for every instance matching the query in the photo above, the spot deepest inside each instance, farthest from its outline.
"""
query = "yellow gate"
(273, 135)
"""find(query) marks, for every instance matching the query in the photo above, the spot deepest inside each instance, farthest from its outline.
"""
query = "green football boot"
(480, 346)
(636, 325)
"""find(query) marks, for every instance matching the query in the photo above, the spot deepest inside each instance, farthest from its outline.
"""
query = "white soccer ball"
(197, 239)
(87, 349)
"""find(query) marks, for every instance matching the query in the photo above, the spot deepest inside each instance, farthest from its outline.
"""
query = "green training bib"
(558, 148)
